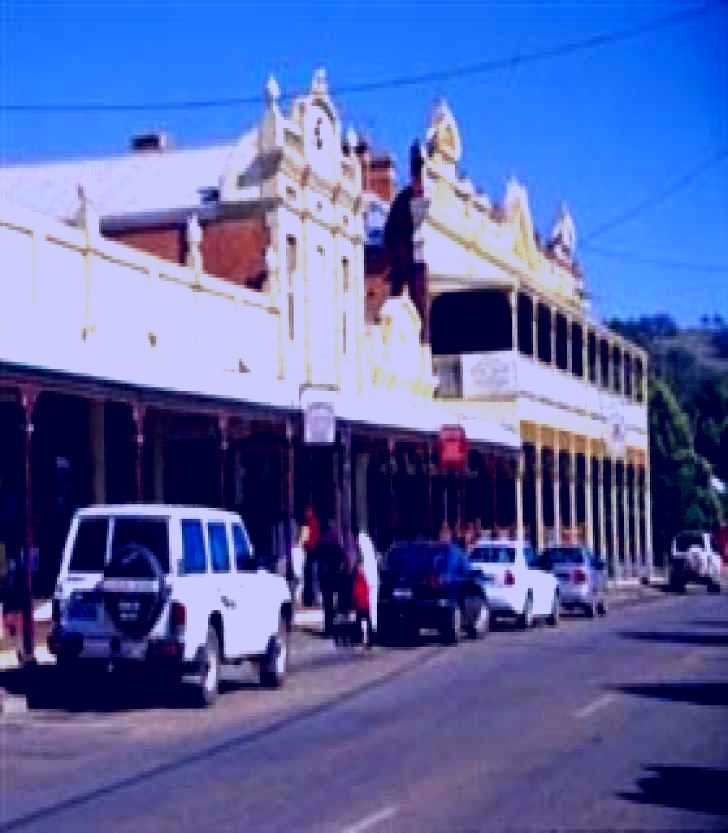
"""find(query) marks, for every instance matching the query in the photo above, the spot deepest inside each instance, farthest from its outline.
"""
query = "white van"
(694, 557)
(177, 588)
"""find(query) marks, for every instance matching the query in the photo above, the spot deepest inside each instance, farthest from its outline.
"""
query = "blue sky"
(603, 129)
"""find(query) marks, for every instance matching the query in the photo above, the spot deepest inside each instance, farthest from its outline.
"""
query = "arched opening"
(477, 321)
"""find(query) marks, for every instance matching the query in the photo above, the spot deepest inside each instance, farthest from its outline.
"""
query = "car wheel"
(209, 682)
(602, 607)
(555, 615)
(714, 587)
(525, 620)
(480, 625)
(590, 609)
(274, 665)
(450, 633)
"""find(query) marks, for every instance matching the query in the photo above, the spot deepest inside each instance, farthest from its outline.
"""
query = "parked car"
(515, 586)
(694, 557)
(431, 585)
(582, 578)
(172, 589)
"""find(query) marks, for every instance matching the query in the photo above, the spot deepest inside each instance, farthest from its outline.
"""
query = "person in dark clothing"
(331, 561)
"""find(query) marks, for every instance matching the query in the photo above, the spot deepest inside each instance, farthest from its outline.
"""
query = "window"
(525, 324)
(219, 550)
(194, 559)
(291, 254)
(345, 274)
(291, 264)
(544, 333)
(493, 555)
(530, 556)
(243, 553)
(89, 548)
(562, 342)
(577, 350)
(291, 317)
(145, 532)
(592, 357)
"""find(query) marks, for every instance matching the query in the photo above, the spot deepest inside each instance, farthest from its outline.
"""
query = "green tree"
(682, 496)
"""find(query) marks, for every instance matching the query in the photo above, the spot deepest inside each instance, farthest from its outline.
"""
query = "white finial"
(87, 217)
(352, 140)
(272, 90)
(563, 236)
(194, 241)
(320, 84)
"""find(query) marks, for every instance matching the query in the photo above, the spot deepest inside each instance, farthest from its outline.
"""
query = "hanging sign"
(319, 424)
(453, 447)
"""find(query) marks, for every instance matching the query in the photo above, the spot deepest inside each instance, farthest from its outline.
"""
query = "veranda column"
(569, 338)
(553, 337)
(600, 509)
(138, 412)
(223, 422)
(346, 484)
(28, 398)
(513, 299)
(519, 495)
(628, 564)
(534, 325)
(557, 491)
(588, 497)
(572, 488)
(538, 479)
(615, 519)
(98, 449)
(290, 494)
(638, 556)
(649, 556)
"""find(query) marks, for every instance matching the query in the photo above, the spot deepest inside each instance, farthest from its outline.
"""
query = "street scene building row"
(175, 323)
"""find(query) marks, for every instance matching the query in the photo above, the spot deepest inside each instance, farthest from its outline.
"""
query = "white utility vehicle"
(514, 585)
(694, 557)
(175, 588)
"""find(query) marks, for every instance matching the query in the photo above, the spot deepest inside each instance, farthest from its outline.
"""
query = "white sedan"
(514, 587)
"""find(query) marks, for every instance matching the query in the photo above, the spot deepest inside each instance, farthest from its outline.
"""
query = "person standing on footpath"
(370, 569)
(310, 546)
(331, 563)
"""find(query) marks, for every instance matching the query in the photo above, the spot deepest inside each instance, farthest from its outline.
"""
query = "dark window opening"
(627, 375)
(562, 342)
(577, 350)
(470, 322)
(638, 372)
(592, 357)
(544, 333)
(145, 532)
(89, 548)
(617, 361)
(525, 324)
(604, 361)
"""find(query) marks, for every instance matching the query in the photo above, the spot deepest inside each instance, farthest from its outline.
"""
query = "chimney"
(153, 141)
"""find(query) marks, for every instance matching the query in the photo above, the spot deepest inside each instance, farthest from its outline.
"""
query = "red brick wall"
(166, 242)
(231, 249)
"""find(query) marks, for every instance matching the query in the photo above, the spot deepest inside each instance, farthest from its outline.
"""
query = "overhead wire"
(480, 68)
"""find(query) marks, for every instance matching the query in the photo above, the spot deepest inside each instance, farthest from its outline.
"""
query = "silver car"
(582, 578)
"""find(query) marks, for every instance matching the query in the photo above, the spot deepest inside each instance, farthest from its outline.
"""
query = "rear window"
(685, 540)
(493, 555)
(419, 561)
(563, 555)
(243, 554)
(89, 548)
(219, 550)
(146, 532)
(194, 559)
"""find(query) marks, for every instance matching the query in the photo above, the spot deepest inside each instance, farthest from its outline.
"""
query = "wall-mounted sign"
(488, 374)
(453, 447)
(616, 433)
(319, 424)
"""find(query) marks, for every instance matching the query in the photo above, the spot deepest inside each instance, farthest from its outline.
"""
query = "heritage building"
(172, 322)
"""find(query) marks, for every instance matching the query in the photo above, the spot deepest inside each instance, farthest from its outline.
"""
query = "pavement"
(612, 724)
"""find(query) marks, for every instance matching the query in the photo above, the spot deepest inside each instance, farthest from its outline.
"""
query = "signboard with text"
(319, 424)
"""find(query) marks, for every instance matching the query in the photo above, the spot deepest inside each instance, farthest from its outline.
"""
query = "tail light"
(177, 616)
(509, 579)
(579, 576)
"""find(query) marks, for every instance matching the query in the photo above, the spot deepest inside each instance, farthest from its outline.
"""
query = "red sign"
(453, 447)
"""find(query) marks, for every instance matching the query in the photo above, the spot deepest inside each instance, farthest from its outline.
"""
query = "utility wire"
(481, 68)
(664, 263)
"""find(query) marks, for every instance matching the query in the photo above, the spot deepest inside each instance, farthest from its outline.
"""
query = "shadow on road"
(710, 623)
(678, 637)
(701, 694)
(700, 789)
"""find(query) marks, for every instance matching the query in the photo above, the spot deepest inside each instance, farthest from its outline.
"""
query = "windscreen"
(493, 555)
(147, 532)
(89, 548)
(417, 561)
(685, 540)
(564, 555)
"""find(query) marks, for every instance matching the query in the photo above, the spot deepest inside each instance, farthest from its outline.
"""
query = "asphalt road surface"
(616, 724)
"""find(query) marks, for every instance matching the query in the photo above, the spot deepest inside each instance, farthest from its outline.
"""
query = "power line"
(659, 195)
(481, 68)
(664, 263)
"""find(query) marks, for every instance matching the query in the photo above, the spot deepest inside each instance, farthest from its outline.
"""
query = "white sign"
(615, 434)
(486, 374)
(319, 424)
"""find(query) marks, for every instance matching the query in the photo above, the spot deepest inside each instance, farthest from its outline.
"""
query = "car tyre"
(450, 633)
(481, 625)
(207, 688)
(525, 620)
(714, 587)
(555, 615)
(590, 609)
(274, 665)
(602, 607)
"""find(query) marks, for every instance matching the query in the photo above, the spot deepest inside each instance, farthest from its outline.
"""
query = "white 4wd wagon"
(694, 557)
(177, 588)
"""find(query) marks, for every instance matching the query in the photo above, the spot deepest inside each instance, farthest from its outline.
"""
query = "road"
(617, 724)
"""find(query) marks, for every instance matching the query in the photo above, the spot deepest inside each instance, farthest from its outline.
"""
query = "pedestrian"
(299, 536)
(361, 604)
(310, 547)
(330, 561)
(370, 568)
